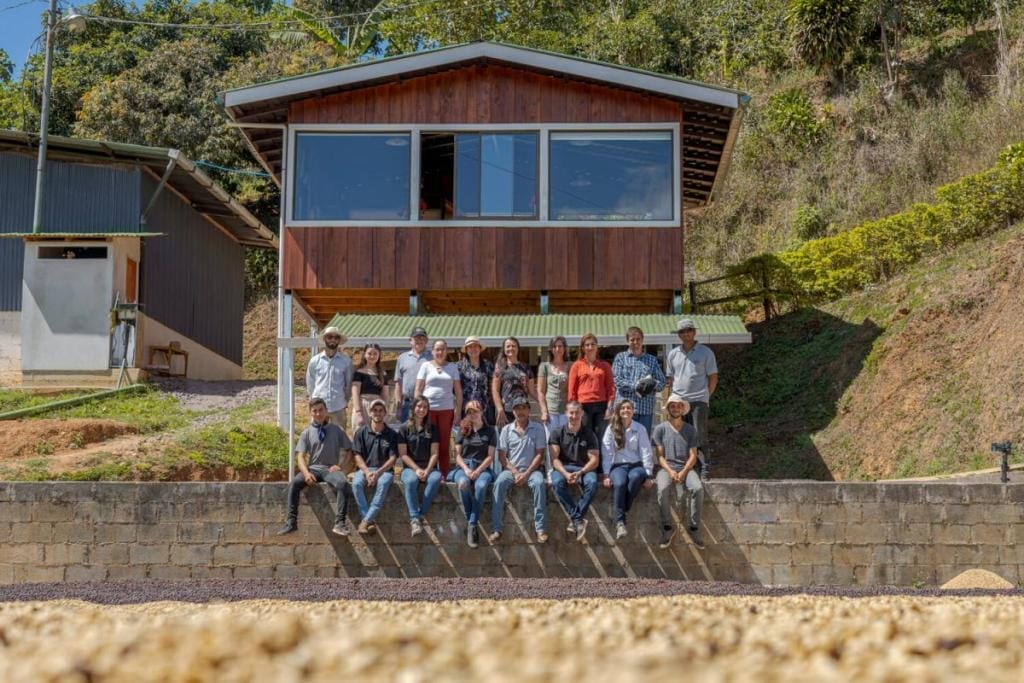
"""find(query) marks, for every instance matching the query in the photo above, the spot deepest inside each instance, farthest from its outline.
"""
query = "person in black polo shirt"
(474, 453)
(321, 454)
(418, 450)
(575, 454)
(375, 448)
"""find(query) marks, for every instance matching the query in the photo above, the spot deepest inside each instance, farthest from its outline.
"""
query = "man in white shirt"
(693, 370)
(329, 375)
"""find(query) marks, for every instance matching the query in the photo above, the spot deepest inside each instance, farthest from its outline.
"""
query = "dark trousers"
(627, 479)
(337, 481)
(698, 417)
(593, 417)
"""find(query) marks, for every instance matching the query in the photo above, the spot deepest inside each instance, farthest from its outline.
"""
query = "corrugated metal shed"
(392, 331)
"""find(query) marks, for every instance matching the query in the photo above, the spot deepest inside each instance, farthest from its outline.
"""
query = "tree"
(823, 30)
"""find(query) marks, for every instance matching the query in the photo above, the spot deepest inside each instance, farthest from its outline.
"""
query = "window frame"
(543, 131)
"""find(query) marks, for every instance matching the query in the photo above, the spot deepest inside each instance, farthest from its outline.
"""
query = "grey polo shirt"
(689, 372)
(676, 445)
(406, 369)
(323, 454)
(520, 449)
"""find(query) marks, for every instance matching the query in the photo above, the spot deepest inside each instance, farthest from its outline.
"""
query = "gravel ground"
(200, 396)
(670, 638)
(429, 590)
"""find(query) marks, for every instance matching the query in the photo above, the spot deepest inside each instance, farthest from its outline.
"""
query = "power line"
(240, 171)
(21, 4)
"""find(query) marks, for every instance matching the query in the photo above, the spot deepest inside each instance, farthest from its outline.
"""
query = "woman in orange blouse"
(591, 383)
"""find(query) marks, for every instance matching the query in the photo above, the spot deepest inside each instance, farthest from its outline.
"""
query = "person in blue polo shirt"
(521, 448)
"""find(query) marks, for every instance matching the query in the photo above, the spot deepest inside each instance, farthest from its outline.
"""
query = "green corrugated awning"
(392, 331)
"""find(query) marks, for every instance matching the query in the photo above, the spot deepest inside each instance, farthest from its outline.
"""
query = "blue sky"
(19, 26)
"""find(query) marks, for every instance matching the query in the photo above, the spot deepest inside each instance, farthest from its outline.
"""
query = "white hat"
(333, 330)
(676, 398)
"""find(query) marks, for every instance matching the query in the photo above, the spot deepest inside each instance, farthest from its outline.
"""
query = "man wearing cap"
(638, 377)
(329, 375)
(521, 448)
(406, 369)
(375, 448)
(675, 448)
(321, 454)
(694, 374)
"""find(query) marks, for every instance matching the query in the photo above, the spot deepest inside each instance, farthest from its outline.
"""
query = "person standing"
(638, 377)
(369, 382)
(675, 448)
(418, 451)
(575, 454)
(476, 373)
(406, 370)
(693, 370)
(329, 375)
(553, 384)
(321, 453)
(521, 448)
(627, 461)
(375, 447)
(474, 453)
(438, 382)
(591, 383)
(512, 379)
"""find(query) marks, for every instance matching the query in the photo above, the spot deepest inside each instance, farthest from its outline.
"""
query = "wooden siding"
(483, 258)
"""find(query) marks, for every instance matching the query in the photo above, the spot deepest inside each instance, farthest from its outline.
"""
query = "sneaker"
(666, 537)
(620, 530)
(572, 526)
(365, 527)
(288, 528)
(494, 537)
(341, 528)
(694, 534)
(542, 537)
(472, 537)
(416, 527)
(581, 529)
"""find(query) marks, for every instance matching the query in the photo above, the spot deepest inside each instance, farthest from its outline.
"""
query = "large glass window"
(478, 175)
(611, 176)
(342, 177)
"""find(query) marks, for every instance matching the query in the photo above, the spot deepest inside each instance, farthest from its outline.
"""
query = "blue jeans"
(403, 409)
(646, 420)
(538, 487)
(369, 512)
(575, 510)
(411, 484)
(472, 493)
(627, 479)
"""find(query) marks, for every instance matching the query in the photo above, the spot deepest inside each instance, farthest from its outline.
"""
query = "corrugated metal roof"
(392, 331)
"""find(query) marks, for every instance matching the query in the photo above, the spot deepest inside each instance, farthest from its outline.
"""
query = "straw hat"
(333, 330)
(677, 399)
(473, 340)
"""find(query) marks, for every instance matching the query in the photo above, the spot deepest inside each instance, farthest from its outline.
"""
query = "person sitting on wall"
(521, 449)
(638, 377)
(375, 447)
(321, 453)
(575, 453)
(474, 453)
(627, 462)
(407, 367)
(675, 445)
(693, 370)
(418, 451)
(329, 375)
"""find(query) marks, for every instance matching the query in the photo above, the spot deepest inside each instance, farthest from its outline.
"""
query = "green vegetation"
(11, 399)
(148, 411)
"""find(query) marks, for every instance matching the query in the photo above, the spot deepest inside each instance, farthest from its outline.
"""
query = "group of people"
(595, 429)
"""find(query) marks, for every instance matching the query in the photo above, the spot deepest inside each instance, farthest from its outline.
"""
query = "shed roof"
(392, 331)
(203, 194)
(712, 121)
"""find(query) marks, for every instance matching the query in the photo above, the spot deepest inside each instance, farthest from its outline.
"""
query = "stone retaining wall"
(781, 533)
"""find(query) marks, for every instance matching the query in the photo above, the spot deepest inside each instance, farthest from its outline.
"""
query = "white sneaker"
(620, 530)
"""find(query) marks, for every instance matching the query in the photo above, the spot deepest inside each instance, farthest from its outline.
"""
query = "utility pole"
(44, 121)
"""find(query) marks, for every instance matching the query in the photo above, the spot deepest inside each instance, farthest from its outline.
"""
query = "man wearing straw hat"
(675, 448)
(329, 375)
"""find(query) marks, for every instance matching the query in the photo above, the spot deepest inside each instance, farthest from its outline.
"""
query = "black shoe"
(288, 528)
(473, 537)
(666, 537)
(694, 534)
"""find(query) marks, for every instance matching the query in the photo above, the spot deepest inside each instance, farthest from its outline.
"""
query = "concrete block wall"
(777, 533)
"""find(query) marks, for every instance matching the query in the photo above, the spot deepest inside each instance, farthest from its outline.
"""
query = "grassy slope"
(913, 377)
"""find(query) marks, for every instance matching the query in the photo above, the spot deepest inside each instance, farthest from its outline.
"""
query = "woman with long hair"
(369, 382)
(474, 453)
(627, 462)
(476, 373)
(553, 384)
(512, 379)
(418, 449)
(438, 382)
(591, 384)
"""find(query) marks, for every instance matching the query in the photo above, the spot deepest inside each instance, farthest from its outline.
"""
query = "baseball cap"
(520, 401)
(378, 401)
(418, 332)
(685, 324)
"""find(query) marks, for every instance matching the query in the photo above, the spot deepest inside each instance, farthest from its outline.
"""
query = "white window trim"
(542, 129)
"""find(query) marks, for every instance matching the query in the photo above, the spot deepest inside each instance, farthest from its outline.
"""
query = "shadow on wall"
(776, 393)
(442, 550)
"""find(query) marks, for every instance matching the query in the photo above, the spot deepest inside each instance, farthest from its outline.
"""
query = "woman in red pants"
(438, 382)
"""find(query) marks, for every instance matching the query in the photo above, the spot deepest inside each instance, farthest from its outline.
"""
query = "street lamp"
(74, 22)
